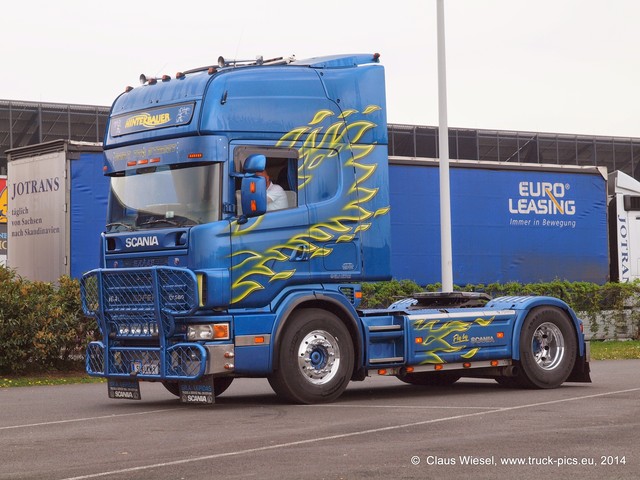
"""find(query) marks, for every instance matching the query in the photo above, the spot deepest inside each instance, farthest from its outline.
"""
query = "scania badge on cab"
(203, 282)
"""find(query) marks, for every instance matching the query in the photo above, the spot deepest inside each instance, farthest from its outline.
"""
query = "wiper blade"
(120, 224)
(160, 220)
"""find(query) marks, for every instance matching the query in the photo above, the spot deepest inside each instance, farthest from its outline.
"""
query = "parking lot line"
(344, 435)
(86, 419)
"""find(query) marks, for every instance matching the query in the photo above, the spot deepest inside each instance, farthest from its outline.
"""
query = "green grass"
(607, 350)
(50, 378)
(615, 350)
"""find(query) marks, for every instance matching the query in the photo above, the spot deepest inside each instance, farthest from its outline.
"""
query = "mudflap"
(126, 389)
(581, 371)
(198, 392)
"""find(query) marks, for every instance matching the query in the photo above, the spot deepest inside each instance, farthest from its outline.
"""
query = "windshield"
(164, 196)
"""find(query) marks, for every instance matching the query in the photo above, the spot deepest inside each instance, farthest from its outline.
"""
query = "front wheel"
(548, 348)
(315, 358)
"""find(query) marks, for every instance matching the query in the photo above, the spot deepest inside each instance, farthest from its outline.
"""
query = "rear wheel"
(430, 379)
(548, 348)
(315, 358)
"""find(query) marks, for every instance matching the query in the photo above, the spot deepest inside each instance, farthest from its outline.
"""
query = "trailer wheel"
(430, 379)
(548, 348)
(220, 384)
(315, 358)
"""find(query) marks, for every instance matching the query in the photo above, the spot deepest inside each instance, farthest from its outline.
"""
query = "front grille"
(136, 310)
(138, 302)
(145, 262)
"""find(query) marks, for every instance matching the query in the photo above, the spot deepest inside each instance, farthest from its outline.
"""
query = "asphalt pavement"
(380, 428)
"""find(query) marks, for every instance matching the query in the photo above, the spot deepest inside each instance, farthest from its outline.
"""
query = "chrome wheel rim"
(319, 357)
(548, 346)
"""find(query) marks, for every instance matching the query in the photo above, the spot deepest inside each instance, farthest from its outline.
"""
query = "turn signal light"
(221, 331)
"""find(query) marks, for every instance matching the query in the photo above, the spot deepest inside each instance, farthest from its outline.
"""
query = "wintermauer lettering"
(29, 187)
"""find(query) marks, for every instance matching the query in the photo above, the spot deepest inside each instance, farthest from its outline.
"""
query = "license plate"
(124, 389)
(145, 368)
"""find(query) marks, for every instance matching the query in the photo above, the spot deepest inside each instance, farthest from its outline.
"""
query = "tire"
(220, 384)
(548, 348)
(315, 358)
(430, 379)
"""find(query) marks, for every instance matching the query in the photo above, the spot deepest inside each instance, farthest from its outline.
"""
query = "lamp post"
(443, 142)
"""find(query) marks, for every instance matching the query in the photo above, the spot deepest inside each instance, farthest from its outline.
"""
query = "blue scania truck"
(203, 281)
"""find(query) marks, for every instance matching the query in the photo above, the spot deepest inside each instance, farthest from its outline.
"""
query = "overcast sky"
(564, 66)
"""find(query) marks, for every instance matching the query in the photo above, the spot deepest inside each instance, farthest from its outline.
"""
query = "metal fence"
(28, 123)
(615, 153)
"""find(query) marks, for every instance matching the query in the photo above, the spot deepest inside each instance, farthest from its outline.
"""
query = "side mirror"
(253, 194)
(255, 163)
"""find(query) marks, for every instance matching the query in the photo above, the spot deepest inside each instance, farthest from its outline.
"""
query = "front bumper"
(179, 362)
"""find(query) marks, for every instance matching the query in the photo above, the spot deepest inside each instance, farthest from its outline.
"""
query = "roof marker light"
(132, 163)
(166, 78)
(155, 160)
(143, 162)
(180, 75)
(128, 88)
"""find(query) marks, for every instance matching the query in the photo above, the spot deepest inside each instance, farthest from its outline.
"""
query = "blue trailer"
(209, 274)
(523, 223)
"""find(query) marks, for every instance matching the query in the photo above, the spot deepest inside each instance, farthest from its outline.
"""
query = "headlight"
(216, 331)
